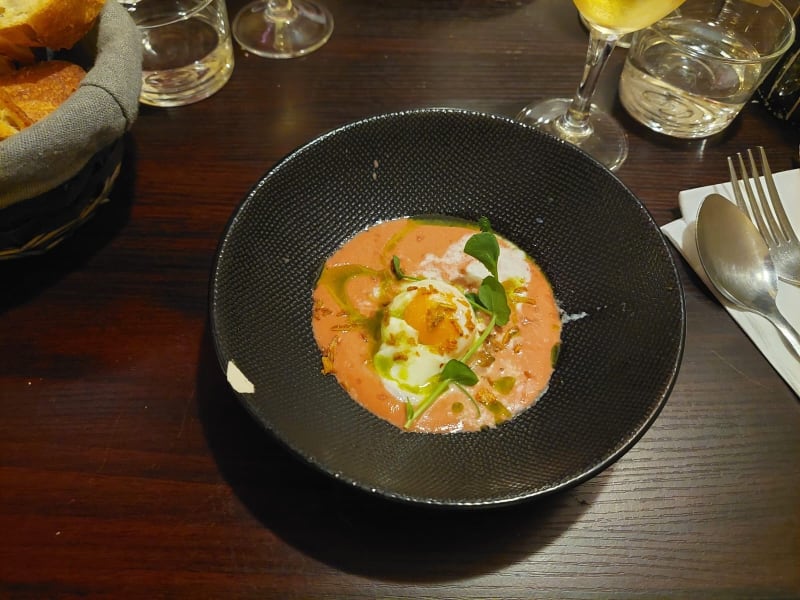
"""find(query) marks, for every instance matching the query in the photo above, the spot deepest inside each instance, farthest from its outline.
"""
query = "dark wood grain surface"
(129, 470)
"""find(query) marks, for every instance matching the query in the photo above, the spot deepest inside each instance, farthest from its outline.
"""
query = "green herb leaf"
(458, 372)
(473, 298)
(484, 224)
(398, 271)
(475, 302)
(484, 247)
(492, 295)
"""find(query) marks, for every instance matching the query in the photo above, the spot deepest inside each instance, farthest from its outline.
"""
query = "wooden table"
(128, 468)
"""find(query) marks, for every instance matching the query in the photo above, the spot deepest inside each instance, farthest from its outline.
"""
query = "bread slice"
(31, 93)
(6, 65)
(14, 53)
(12, 118)
(55, 24)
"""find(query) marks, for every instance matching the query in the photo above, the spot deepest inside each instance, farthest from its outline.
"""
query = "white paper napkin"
(760, 330)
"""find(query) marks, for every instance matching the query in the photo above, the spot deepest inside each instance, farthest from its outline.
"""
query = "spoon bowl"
(736, 259)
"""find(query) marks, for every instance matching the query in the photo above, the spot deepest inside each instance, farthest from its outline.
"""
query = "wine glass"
(576, 119)
(282, 28)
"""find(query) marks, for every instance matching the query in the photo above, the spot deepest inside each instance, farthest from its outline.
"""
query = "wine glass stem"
(575, 122)
(281, 13)
(275, 7)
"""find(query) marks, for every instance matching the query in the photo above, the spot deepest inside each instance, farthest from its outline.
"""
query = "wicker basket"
(54, 174)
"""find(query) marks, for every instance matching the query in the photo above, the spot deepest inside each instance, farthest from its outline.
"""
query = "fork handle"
(788, 332)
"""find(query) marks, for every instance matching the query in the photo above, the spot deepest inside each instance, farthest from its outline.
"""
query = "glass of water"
(187, 49)
(690, 74)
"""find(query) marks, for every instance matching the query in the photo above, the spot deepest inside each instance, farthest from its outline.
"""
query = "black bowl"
(609, 265)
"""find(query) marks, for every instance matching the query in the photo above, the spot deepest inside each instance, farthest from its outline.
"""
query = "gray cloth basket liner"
(104, 107)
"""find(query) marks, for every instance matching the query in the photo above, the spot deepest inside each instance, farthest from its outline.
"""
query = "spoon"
(736, 260)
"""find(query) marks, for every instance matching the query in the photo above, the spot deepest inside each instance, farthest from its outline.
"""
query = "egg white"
(512, 265)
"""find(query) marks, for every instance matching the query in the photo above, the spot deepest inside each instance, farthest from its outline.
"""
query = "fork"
(768, 215)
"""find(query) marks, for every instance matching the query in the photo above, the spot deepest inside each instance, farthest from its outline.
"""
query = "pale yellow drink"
(624, 16)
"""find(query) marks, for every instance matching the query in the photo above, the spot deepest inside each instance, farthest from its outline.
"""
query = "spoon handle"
(789, 333)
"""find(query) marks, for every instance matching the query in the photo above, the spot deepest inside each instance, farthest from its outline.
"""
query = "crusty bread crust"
(55, 24)
(30, 94)
(6, 65)
(12, 118)
(15, 53)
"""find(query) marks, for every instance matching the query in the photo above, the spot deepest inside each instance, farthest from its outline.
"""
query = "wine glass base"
(605, 140)
(282, 34)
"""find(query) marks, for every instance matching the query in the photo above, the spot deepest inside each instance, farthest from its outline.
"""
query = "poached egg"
(425, 325)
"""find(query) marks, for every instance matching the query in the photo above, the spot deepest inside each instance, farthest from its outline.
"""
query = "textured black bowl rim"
(564, 484)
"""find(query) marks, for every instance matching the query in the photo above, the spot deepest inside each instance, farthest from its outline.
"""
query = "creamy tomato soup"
(392, 307)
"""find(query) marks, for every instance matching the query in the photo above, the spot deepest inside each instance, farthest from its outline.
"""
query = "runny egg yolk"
(435, 320)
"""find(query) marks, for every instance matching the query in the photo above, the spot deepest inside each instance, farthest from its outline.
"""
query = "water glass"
(188, 52)
(690, 74)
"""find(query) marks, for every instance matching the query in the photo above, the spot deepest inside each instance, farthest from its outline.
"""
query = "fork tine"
(737, 191)
(784, 227)
(770, 229)
(753, 204)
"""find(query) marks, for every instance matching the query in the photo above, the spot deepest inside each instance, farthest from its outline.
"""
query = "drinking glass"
(689, 75)
(577, 120)
(282, 28)
(187, 52)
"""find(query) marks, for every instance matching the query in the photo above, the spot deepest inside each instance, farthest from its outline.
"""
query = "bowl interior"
(610, 268)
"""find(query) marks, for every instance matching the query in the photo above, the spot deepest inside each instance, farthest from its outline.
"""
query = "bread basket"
(55, 173)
